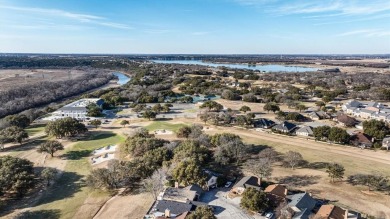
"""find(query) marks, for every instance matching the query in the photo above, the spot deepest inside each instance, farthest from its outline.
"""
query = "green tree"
(66, 127)
(338, 135)
(321, 132)
(94, 110)
(138, 145)
(301, 107)
(124, 123)
(50, 147)
(320, 104)
(271, 107)
(16, 175)
(327, 99)
(183, 132)
(49, 174)
(148, 114)
(202, 212)
(254, 200)
(96, 123)
(212, 106)
(189, 172)
(375, 128)
(245, 109)
(13, 134)
(157, 108)
(335, 171)
(19, 120)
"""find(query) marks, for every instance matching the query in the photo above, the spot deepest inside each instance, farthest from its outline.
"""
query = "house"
(331, 212)
(246, 182)
(319, 115)
(211, 179)
(189, 193)
(77, 110)
(264, 123)
(300, 206)
(276, 193)
(350, 105)
(175, 202)
(386, 143)
(305, 131)
(345, 120)
(285, 127)
(362, 140)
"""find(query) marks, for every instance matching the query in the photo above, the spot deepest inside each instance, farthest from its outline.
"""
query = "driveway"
(223, 207)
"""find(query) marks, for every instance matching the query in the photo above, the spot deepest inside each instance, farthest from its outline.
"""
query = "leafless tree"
(155, 183)
(293, 159)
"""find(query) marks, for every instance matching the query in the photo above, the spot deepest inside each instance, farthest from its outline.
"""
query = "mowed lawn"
(158, 125)
(70, 191)
(35, 129)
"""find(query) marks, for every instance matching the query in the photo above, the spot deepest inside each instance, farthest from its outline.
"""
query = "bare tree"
(293, 159)
(261, 168)
(155, 183)
(270, 154)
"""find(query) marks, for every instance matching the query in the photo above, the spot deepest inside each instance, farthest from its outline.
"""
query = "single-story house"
(189, 193)
(300, 206)
(264, 123)
(331, 212)
(246, 182)
(362, 140)
(386, 143)
(305, 131)
(285, 127)
(319, 115)
(345, 120)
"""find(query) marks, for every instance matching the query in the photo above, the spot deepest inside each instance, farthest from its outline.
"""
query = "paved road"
(223, 207)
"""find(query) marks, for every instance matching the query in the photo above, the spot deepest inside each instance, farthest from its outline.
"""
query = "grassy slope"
(70, 192)
(34, 129)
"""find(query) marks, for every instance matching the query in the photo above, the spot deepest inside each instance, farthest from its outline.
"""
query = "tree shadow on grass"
(298, 180)
(317, 165)
(25, 146)
(99, 136)
(41, 214)
(65, 187)
(76, 155)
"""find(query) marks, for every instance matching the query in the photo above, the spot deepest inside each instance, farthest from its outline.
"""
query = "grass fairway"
(351, 164)
(34, 129)
(165, 125)
(70, 191)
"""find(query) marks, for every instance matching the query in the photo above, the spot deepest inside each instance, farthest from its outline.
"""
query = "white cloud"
(200, 33)
(83, 18)
(366, 33)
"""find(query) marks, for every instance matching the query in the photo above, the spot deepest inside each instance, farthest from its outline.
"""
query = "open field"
(172, 126)
(16, 77)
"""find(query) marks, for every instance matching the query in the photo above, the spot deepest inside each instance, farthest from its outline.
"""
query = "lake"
(122, 78)
(266, 68)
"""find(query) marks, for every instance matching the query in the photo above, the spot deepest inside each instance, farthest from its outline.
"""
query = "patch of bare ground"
(126, 206)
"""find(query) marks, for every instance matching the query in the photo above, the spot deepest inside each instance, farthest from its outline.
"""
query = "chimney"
(167, 213)
(176, 185)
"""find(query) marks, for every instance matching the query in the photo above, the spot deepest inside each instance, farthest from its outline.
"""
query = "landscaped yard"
(70, 192)
(159, 125)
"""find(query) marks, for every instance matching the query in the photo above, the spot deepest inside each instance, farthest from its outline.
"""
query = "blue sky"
(196, 26)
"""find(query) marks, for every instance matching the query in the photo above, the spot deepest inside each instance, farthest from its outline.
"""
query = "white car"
(228, 184)
(269, 215)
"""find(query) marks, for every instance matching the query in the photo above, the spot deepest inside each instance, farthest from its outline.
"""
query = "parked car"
(228, 184)
(269, 215)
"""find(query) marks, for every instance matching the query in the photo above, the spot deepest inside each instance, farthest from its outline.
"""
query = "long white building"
(76, 110)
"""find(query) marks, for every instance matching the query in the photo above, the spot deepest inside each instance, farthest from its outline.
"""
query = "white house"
(77, 110)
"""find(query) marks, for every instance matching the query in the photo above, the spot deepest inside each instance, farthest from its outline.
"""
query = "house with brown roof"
(362, 140)
(345, 120)
(276, 193)
(331, 212)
